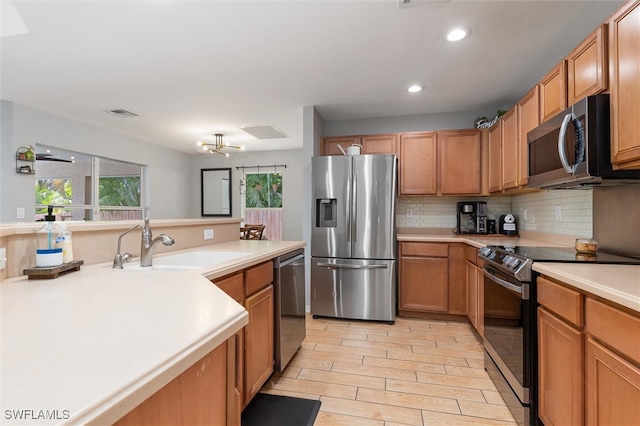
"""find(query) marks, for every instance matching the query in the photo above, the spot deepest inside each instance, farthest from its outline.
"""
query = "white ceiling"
(194, 68)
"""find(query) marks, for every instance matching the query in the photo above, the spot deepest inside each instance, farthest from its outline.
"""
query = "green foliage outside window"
(119, 191)
(264, 190)
(53, 191)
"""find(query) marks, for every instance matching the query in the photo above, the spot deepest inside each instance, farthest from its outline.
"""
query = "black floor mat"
(275, 410)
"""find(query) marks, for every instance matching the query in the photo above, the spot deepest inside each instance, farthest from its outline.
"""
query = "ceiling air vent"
(264, 132)
(122, 113)
(410, 3)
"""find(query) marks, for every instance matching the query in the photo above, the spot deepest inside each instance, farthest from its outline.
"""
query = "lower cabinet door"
(259, 357)
(424, 284)
(560, 371)
(613, 387)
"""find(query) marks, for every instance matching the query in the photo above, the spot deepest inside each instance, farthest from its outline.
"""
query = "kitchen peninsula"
(90, 346)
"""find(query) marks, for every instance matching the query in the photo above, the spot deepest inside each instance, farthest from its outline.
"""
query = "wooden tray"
(50, 272)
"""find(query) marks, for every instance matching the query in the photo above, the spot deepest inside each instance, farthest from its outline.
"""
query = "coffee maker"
(472, 217)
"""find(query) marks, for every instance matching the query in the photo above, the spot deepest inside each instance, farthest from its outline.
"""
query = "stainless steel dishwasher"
(290, 328)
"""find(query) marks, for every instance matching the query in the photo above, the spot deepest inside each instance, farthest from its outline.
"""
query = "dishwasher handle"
(288, 261)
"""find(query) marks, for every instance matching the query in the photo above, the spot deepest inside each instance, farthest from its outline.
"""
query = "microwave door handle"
(562, 152)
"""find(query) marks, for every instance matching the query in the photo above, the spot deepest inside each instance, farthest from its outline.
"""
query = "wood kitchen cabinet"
(588, 358)
(475, 293)
(418, 163)
(459, 162)
(371, 144)
(553, 92)
(254, 345)
(258, 337)
(528, 118)
(457, 287)
(331, 144)
(587, 67)
(509, 158)
(233, 286)
(494, 146)
(203, 394)
(624, 81)
(440, 163)
(424, 278)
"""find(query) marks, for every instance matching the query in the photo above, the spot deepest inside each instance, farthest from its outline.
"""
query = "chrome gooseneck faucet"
(147, 245)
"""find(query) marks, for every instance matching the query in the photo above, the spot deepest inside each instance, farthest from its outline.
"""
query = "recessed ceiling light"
(415, 88)
(458, 34)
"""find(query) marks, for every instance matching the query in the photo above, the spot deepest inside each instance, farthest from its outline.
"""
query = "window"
(67, 181)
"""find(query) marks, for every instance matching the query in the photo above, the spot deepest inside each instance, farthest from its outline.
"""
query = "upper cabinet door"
(528, 119)
(587, 66)
(380, 144)
(494, 173)
(331, 144)
(624, 75)
(418, 163)
(510, 150)
(460, 162)
(553, 92)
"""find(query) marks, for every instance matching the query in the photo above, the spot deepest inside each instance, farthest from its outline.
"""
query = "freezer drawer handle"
(337, 266)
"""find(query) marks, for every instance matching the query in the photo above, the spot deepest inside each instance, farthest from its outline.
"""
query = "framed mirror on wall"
(215, 186)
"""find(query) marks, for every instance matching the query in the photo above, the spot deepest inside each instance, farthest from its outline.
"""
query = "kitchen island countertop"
(91, 345)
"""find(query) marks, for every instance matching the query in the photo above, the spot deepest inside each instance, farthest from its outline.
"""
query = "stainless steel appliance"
(572, 149)
(289, 309)
(471, 217)
(353, 238)
(510, 327)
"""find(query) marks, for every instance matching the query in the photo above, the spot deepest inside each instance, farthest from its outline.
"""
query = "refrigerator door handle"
(354, 209)
(344, 266)
(349, 203)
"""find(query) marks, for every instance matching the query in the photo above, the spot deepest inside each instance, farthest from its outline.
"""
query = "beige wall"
(97, 243)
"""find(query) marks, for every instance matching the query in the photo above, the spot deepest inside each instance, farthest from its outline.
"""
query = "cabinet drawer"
(563, 301)
(233, 285)
(258, 277)
(615, 328)
(425, 249)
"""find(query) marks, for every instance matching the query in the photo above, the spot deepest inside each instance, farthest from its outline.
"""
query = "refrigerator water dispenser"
(326, 212)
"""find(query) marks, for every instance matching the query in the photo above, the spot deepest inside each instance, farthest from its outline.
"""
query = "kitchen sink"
(198, 258)
(189, 260)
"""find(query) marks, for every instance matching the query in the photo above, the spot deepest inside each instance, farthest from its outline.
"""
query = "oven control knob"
(513, 262)
(507, 259)
(485, 251)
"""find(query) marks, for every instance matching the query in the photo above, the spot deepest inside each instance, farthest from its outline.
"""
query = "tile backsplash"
(440, 212)
(564, 212)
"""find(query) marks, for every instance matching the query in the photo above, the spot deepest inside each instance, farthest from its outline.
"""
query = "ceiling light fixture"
(458, 34)
(217, 146)
(415, 88)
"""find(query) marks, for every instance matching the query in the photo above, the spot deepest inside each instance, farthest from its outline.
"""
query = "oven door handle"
(506, 284)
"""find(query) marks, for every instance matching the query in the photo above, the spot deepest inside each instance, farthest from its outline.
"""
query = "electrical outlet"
(20, 213)
(558, 213)
(3, 258)
(525, 214)
(208, 234)
(408, 213)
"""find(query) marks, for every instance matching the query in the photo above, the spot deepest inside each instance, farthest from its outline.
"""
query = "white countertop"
(617, 283)
(476, 241)
(99, 341)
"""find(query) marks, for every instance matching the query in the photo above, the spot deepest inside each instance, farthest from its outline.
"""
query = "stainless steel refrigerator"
(353, 239)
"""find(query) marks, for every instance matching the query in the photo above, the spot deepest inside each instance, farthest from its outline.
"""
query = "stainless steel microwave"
(572, 149)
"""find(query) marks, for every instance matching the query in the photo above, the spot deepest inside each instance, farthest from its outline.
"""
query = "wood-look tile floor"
(415, 372)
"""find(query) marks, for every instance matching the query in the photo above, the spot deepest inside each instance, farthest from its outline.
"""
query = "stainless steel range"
(510, 326)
